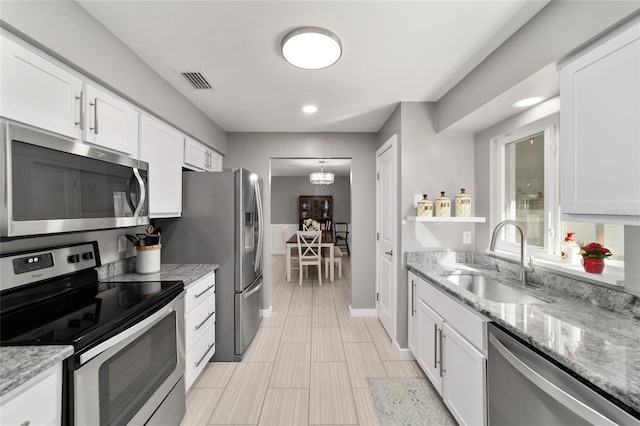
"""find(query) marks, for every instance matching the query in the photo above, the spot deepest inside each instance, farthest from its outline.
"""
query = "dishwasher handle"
(571, 403)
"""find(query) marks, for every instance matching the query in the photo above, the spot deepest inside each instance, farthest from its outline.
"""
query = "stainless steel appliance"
(50, 184)
(222, 222)
(128, 338)
(525, 388)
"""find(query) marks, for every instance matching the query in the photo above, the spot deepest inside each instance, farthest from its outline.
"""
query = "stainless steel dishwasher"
(525, 388)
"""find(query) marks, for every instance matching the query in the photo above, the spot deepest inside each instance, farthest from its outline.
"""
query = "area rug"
(408, 402)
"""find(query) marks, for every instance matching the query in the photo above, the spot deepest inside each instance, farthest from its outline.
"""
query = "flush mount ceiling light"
(528, 102)
(321, 178)
(309, 109)
(311, 48)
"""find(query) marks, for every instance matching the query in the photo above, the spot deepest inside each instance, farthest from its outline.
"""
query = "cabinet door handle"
(204, 291)
(205, 354)
(205, 320)
(413, 298)
(81, 122)
(95, 117)
(26, 422)
(441, 338)
(435, 346)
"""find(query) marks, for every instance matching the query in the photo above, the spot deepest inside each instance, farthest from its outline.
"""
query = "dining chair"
(341, 232)
(309, 251)
(294, 252)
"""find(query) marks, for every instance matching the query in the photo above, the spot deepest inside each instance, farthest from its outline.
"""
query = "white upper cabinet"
(162, 147)
(197, 156)
(110, 122)
(600, 130)
(35, 91)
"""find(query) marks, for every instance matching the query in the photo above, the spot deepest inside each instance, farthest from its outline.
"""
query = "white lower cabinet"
(464, 378)
(200, 330)
(449, 342)
(36, 402)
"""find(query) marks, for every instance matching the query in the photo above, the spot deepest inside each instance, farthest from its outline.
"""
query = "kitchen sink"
(489, 289)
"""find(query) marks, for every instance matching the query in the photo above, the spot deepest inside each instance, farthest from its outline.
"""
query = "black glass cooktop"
(79, 311)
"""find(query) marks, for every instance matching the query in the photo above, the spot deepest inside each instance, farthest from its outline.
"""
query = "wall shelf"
(446, 219)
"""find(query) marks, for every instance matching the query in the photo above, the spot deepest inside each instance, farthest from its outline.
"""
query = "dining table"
(326, 241)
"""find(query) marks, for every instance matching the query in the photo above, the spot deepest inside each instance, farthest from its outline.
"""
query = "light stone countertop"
(186, 272)
(599, 345)
(18, 364)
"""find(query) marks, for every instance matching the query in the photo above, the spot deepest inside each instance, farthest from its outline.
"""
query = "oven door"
(51, 185)
(126, 379)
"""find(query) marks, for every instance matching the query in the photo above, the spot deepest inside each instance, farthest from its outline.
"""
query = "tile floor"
(307, 365)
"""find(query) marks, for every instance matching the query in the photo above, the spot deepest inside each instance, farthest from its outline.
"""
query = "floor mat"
(408, 402)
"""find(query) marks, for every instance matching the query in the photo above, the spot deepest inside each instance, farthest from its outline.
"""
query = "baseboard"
(403, 353)
(363, 312)
(266, 313)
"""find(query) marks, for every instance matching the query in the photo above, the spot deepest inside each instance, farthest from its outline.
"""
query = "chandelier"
(321, 178)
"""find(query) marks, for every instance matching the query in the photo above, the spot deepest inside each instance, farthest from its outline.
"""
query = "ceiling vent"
(196, 80)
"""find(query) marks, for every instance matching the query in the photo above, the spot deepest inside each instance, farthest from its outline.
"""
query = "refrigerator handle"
(260, 225)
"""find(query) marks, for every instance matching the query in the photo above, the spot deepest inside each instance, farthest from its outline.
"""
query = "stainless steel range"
(128, 363)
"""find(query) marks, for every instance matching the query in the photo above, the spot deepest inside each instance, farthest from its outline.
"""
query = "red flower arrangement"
(595, 251)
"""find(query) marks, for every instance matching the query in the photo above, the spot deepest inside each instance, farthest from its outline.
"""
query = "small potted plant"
(593, 256)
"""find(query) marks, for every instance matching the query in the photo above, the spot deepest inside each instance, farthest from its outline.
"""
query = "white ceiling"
(305, 166)
(392, 51)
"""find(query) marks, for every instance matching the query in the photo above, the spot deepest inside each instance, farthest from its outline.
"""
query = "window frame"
(549, 256)
(550, 127)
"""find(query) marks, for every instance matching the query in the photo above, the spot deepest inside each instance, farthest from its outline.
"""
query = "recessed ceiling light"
(311, 48)
(309, 109)
(528, 102)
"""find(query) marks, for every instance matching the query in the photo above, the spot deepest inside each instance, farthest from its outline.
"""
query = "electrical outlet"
(122, 243)
(466, 237)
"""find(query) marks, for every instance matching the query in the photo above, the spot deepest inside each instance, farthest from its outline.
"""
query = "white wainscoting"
(277, 244)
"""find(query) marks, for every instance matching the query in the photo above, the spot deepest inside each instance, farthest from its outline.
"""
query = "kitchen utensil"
(134, 240)
(150, 229)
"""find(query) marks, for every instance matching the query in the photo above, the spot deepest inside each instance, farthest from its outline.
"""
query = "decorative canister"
(425, 206)
(443, 205)
(463, 204)
(148, 259)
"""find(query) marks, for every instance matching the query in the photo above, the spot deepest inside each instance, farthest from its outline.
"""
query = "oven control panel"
(30, 267)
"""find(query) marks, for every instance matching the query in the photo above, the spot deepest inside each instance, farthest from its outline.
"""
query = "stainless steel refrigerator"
(222, 222)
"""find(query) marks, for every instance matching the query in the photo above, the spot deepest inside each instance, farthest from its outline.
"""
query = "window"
(526, 176)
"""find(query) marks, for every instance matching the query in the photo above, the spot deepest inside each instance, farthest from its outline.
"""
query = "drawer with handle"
(199, 291)
(198, 357)
(198, 321)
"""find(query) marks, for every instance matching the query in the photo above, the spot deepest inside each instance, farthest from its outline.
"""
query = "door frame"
(391, 143)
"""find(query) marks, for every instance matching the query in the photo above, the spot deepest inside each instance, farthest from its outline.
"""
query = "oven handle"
(138, 328)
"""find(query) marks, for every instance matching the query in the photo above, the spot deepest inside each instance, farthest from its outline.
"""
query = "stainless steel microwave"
(52, 185)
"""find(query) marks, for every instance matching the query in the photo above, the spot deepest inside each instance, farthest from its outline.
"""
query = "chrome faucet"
(526, 263)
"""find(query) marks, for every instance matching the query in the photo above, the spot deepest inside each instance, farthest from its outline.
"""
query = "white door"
(386, 251)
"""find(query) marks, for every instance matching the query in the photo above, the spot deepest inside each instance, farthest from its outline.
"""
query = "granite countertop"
(186, 272)
(601, 346)
(20, 363)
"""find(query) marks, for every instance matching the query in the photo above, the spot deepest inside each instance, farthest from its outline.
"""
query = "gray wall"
(428, 163)
(286, 190)
(254, 150)
(558, 29)
(68, 32)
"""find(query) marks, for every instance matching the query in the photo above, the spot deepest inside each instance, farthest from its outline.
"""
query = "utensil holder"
(148, 259)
